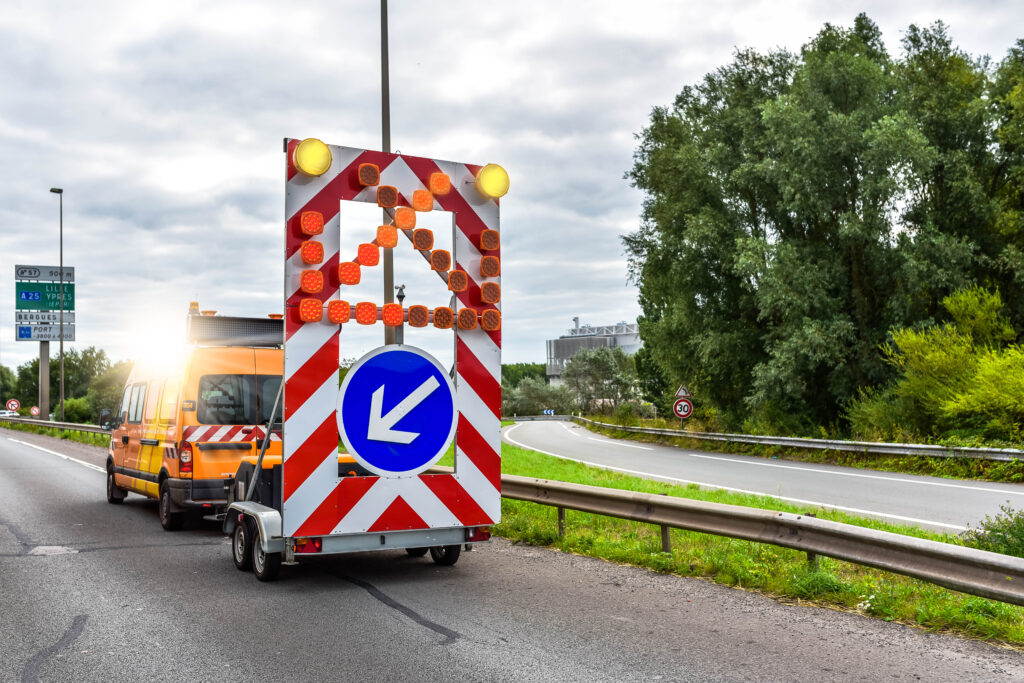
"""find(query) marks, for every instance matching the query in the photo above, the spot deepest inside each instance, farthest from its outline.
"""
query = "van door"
(150, 448)
(119, 439)
(133, 435)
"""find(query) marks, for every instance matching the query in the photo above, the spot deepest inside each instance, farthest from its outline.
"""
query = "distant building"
(625, 336)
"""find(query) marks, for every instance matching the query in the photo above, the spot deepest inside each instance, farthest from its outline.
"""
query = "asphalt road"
(95, 592)
(931, 502)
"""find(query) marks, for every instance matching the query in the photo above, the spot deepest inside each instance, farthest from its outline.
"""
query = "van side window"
(169, 406)
(226, 400)
(154, 399)
(123, 415)
(268, 387)
(138, 398)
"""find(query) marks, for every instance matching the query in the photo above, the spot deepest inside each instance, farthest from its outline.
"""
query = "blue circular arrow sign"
(396, 411)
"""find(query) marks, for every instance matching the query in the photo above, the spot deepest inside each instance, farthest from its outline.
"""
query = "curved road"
(931, 502)
(96, 592)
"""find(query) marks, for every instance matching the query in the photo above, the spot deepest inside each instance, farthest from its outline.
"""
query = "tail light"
(185, 458)
(478, 533)
(307, 545)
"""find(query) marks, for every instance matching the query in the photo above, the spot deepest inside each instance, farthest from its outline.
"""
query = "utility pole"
(60, 326)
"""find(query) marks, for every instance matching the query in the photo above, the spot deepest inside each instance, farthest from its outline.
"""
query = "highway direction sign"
(13, 404)
(42, 333)
(682, 408)
(43, 296)
(396, 411)
(44, 273)
(49, 317)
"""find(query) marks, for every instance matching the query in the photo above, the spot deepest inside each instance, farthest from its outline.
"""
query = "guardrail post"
(561, 522)
(666, 541)
(812, 558)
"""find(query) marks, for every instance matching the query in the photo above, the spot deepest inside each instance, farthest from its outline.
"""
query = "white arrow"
(380, 427)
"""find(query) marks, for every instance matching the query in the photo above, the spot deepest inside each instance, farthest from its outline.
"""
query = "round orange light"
(369, 255)
(387, 236)
(490, 266)
(312, 252)
(443, 317)
(312, 281)
(387, 196)
(490, 292)
(405, 218)
(423, 239)
(311, 310)
(490, 240)
(422, 200)
(458, 281)
(490, 320)
(467, 319)
(311, 222)
(419, 316)
(338, 312)
(366, 313)
(392, 314)
(440, 259)
(348, 273)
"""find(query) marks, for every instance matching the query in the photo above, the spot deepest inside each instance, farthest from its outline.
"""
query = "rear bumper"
(198, 492)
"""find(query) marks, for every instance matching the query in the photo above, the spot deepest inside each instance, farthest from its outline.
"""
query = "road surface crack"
(30, 673)
(450, 635)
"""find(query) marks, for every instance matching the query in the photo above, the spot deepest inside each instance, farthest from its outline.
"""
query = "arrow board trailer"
(398, 411)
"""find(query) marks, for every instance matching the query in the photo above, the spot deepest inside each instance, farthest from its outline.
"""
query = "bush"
(76, 410)
(1003, 533)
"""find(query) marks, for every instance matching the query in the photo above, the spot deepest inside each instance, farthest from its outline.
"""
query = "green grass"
(956, 468)
(778, 572)
(90, 438)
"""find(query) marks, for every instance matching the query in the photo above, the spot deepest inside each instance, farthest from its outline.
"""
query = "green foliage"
(1003, 533)
(105, 390)
(78, 410)
(514, 373)
(8, 384)
(799, 207)
(601, 378)
(534, 395)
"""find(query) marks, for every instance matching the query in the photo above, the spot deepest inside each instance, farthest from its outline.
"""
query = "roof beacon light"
(311, 222)
(392, 314)
(369, 174)
(490, 240)
(423, 239)
(312, 281)
(443, 317)
(312, 252)
(405, 218)
(387, 196)
(439, 184)
(492, 181)
(348, 273)
(311, 310)
(422, 200)
(312, 157)
(440, 259)
(467, 319)
(369, 254)
(419, 316)
(366, 313)
(338, 312)
(387, 236)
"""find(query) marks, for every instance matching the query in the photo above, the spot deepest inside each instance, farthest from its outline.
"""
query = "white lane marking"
(754, 463)
(60, 455)
(617, 443)
(570, 430)
(802, 501)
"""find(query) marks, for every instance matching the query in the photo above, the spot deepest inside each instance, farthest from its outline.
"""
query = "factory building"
(625, 336)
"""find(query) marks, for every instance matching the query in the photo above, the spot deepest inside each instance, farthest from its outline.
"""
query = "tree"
(8, 384)
(533, 395)
(105, 390)
(600, 378)
(514, 373)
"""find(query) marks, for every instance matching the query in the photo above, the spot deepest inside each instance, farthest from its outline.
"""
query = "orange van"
(180, 435)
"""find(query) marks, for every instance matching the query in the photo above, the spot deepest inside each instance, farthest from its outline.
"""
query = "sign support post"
(44, 377)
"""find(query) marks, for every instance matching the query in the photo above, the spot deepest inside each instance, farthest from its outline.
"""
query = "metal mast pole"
(60, 325)
(385, 114)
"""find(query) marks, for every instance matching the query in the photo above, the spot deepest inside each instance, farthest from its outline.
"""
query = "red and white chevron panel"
(208, 433)
(317, 501)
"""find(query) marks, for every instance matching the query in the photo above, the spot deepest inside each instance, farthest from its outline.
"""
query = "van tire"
(169, 519)
(241, 545)
(115, 494)
(264, 565)
(445, 555)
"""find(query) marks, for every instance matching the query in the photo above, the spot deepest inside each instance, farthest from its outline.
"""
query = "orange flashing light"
(405, 218)
(392, 314)
(369, 174)
(458, 281)
(312, 281)
(440, 259)
(348, 273)
(311, 310)
(490, 292)
(423, 239)
(369, 255)
(311, 222)
(338, 312)
(490, 266)
(443, 317)
(440, 183)
(490, 240)
(387, 236)
(490, 320)
(366, 313)
(422, 200)
(312, 252)
(419, 316)
(467, 319)
(387, 196)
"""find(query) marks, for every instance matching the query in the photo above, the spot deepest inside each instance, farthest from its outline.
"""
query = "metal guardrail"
(866, 447)
(69, 426)
(978, 572)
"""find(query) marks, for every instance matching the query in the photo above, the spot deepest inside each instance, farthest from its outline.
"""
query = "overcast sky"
(163, 123)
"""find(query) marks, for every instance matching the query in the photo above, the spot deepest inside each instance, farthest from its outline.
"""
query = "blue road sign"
(396, 410)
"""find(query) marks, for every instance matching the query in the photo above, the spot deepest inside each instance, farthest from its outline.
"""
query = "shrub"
(1003, 533)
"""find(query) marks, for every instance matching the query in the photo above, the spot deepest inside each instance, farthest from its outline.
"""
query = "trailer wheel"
(169, 520)
(264, 565)
(416, 552)
(115, 494)
(241, 545)
(445, 555)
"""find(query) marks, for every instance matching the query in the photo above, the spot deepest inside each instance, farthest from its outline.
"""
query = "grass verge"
(956, 468)
(101, 440)
(778, 572)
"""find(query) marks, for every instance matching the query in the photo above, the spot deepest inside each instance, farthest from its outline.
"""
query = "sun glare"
(159, 343)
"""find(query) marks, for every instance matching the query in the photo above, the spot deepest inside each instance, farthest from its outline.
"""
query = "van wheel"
(416, 552)
(169, 520)
(445, 555)
(241, 545)
(264, 565)
(115, 494)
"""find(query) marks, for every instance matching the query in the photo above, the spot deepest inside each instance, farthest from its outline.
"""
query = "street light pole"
(60, 328)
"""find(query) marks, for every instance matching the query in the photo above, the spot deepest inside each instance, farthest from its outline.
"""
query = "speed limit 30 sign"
(682, 408)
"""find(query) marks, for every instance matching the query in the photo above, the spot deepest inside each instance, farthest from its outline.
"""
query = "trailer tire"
(416, 552)
(241, 544)
(445, 555)
(115, 494)
(264, 565)
(169, 520)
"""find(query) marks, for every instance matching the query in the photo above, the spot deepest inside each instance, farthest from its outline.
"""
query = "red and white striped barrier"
(316, 500)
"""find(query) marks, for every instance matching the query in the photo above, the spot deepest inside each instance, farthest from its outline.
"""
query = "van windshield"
(236, 399)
